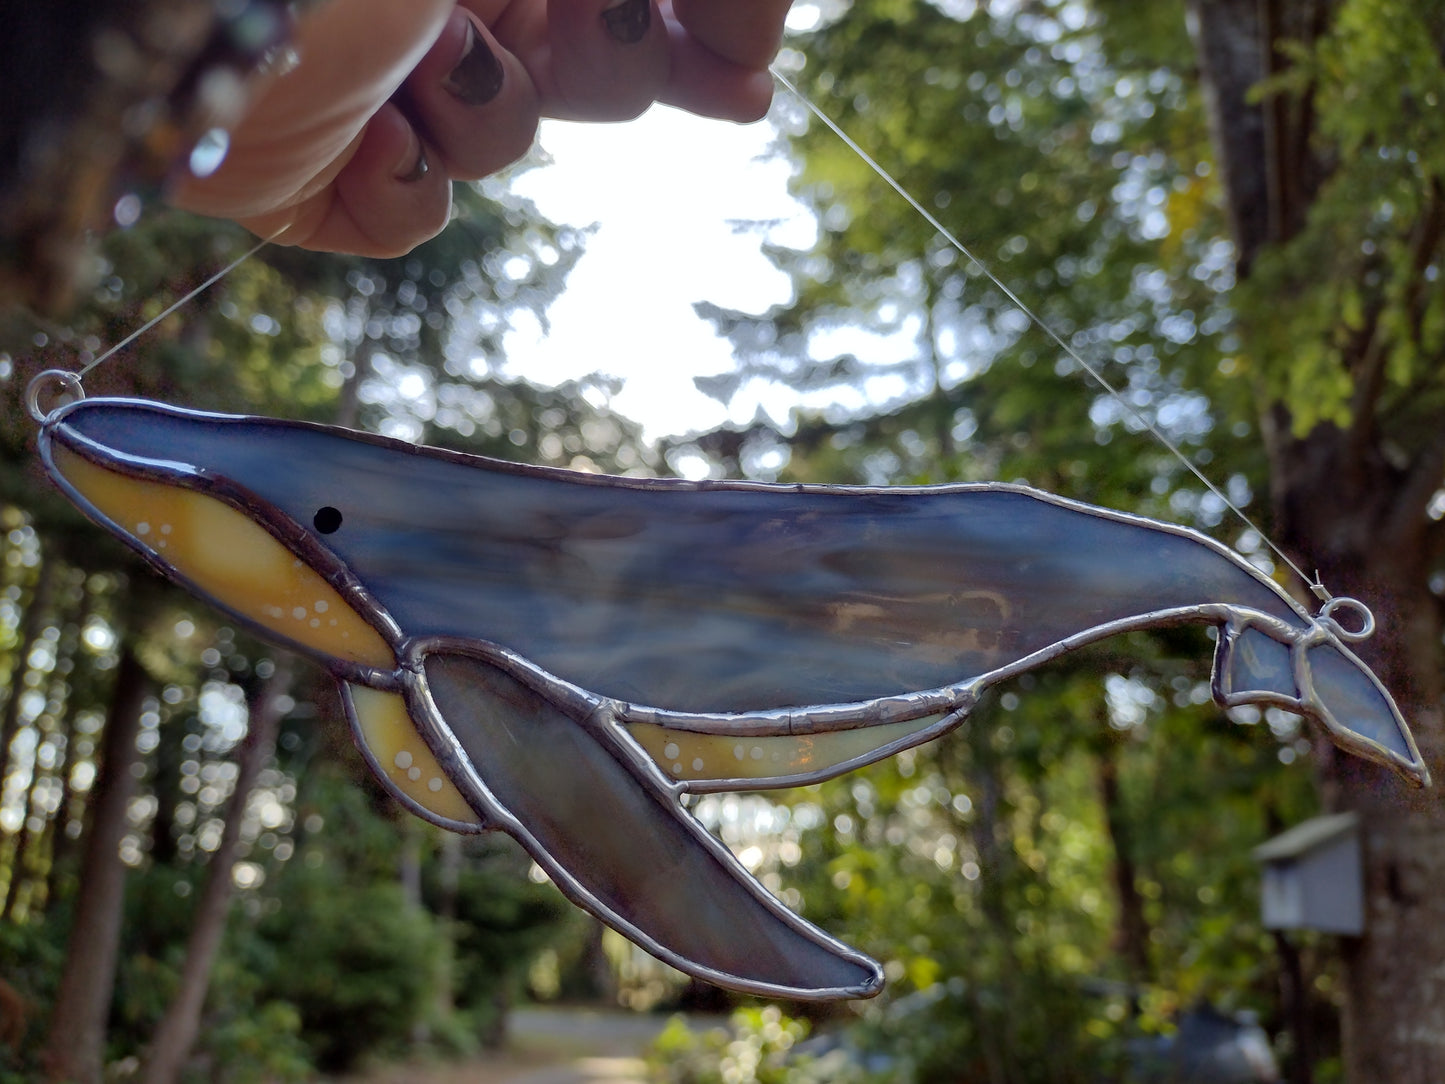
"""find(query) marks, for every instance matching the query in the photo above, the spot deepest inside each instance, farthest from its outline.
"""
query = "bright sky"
(672, 197)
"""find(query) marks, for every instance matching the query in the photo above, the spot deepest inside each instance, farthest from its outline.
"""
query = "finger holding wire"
(355, 147)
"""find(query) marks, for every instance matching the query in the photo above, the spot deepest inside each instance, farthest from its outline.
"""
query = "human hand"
(354, 149)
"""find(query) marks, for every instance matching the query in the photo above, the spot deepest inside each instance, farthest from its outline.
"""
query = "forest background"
(1233, 207)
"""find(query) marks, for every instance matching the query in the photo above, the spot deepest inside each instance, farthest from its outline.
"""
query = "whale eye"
(327, 519)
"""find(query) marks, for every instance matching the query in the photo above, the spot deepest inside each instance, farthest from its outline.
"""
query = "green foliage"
(1066, 151)
(32, 956)
(1342, 321)
(759, 1046)
(957, 1032)
(359, 965)
(1072, 869)
(259, 1047)
(1045, 886)
(502, 920)
(326, 960)
(982, 870)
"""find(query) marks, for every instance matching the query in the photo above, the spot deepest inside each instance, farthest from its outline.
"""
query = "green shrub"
(758, 1047)
(359, 965)
(258, 1048)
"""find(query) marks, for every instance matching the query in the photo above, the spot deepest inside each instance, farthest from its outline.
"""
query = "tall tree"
(1243, 229)
(182, 1020)
(36, 612)
(412, 342)
(1337, 182)
(75, 1045)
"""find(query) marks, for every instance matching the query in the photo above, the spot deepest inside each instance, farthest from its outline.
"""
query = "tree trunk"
(22, 860)
(1132, 936)
(408, 871)
(166, 764)
(178, 1028)
(1346, 505)
(36, 611)
(63, 843)
(1227, 42)
(451, 869)
(1351, 519)
(75, 1047)
(1294, 1003)
(29, 866)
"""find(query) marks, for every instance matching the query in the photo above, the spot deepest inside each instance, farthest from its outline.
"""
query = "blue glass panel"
(533, 618)
(1355, 700)
(1260, 664)
(706, 597)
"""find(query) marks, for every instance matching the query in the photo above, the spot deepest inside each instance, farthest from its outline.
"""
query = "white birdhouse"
(1313, 877)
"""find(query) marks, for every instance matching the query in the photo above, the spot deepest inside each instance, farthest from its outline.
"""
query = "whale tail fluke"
(1319, 677)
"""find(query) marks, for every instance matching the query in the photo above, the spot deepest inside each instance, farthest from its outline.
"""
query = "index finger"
(746, 32)
(704, 83)
(589, 59)
(303, 127)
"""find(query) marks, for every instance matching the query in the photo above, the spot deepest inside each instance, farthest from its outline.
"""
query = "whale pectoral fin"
(610, 832)
(400, 758)
(1252, 667)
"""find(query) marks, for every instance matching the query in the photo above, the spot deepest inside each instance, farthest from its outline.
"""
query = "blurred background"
(1234, 208)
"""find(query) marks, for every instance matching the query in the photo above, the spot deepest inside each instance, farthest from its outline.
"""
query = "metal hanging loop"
(69, 385)
(1360, 610)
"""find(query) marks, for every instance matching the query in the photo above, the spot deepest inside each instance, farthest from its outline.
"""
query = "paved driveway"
(607, 1044)
(602, 1070)
(547, 1046)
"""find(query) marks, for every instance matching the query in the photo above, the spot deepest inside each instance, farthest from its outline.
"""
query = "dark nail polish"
(477, 78)
(629, 20)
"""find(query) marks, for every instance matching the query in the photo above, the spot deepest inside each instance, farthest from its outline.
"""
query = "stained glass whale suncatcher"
(564, 656)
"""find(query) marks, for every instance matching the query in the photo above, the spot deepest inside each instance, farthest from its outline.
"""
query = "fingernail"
(413, 165)
(477, 78)
(628, 20)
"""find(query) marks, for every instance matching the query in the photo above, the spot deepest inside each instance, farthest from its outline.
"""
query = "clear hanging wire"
(948, 235)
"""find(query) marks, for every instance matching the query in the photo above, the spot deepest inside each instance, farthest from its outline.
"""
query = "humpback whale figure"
(564, 656)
